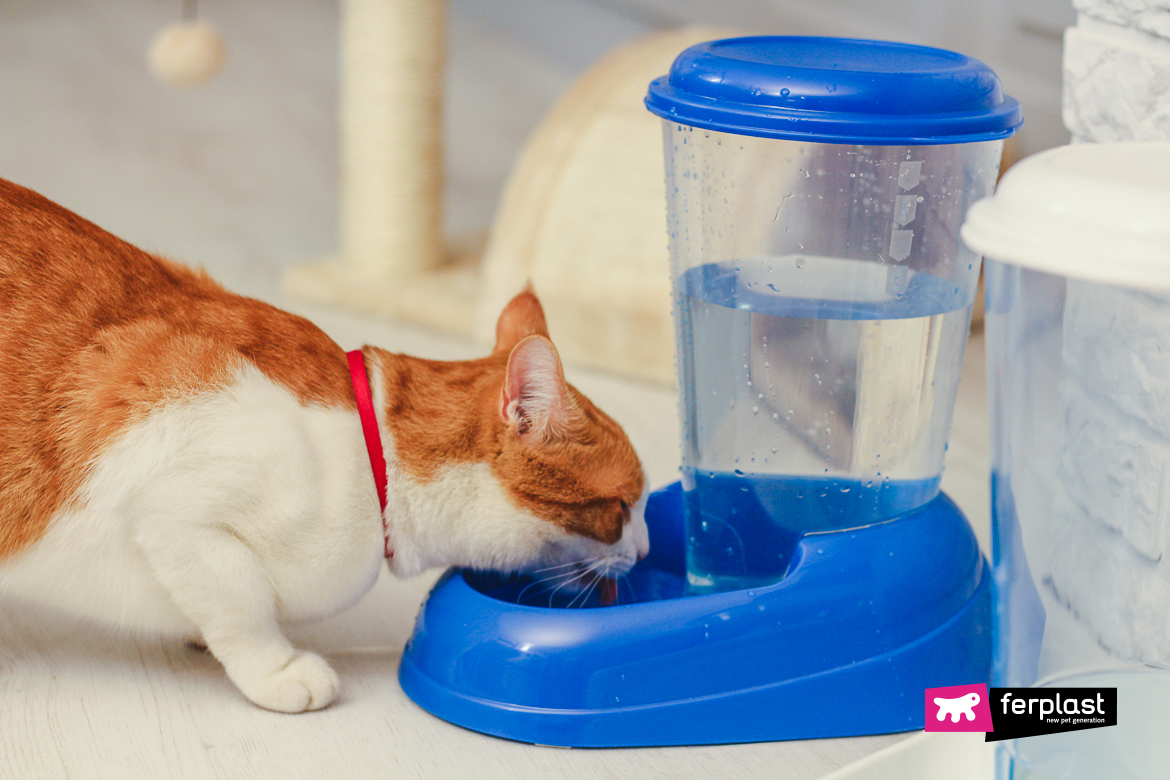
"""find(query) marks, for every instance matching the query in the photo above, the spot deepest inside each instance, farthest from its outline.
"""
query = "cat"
(181, 461)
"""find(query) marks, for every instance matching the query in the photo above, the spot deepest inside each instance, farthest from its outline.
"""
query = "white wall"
(1117, 65)
(1020, 39)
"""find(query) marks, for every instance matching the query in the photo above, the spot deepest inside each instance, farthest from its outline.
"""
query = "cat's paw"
(306, 683)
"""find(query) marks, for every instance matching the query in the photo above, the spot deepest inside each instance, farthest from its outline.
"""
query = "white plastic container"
(1077, 242)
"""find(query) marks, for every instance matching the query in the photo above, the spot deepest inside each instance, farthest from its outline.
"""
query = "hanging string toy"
(188, 53)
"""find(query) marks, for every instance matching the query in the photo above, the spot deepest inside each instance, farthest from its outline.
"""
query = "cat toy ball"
(188, 53)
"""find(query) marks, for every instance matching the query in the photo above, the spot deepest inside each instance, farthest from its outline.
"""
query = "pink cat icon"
(958, 701)
(963, 705)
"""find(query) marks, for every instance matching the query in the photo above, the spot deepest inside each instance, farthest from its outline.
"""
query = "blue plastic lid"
(835, 90)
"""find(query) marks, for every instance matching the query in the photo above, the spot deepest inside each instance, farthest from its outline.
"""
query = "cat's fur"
(179, 460)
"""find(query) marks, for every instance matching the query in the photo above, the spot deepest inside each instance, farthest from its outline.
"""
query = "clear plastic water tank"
(1077, 241)
(815, 190)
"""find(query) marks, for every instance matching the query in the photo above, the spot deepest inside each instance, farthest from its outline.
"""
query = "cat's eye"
(625, 511)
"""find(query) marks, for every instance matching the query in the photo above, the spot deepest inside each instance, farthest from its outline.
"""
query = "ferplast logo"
(1013, 713)
(1029, 712)
(958, 708)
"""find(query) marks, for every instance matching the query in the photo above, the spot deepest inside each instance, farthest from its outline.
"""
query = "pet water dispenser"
(1078, 357)
(806, 578)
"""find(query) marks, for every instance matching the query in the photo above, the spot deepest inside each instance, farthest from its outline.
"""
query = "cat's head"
(537, 478)
(564, 460)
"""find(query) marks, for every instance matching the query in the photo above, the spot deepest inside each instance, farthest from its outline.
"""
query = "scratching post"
(391, 259)
(391, 139)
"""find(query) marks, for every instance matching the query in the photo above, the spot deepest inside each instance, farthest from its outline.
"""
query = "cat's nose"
(642, 542)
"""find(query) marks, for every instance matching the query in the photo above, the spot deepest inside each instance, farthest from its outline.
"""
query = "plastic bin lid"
(1092, 211)
(835, 90)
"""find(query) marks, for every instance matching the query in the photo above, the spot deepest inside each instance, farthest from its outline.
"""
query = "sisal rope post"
(392, 55)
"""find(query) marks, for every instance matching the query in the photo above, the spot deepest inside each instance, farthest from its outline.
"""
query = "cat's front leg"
(218, 583)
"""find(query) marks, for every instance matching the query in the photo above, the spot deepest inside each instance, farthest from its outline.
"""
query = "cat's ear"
(535, 399)
(521, 318)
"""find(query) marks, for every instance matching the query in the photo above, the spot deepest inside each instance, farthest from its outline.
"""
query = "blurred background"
(241, 176)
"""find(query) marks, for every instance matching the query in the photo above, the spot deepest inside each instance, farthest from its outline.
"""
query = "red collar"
(365, 405)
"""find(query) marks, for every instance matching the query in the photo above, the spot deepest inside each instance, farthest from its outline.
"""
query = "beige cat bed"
(583, 215)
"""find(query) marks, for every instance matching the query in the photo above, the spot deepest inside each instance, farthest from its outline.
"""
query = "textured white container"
(1077, 241)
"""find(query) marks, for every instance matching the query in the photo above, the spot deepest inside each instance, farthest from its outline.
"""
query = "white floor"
(78, 703)
(240, 178)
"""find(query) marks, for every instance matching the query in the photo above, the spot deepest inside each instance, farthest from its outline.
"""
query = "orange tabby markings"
(97, 333)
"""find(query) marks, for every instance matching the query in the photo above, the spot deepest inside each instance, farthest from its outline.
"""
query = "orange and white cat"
(182, 461)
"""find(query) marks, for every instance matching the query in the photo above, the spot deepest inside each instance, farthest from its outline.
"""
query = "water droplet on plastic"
(801, 262)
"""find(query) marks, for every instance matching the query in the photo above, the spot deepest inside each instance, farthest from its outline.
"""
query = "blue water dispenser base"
(844, 645)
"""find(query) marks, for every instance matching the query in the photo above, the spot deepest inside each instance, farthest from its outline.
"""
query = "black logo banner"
(1029, 712)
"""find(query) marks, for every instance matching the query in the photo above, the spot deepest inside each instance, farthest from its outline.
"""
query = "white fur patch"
(291, 482)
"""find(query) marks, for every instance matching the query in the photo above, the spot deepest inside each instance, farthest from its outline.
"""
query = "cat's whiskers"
(526, 588)
(549, 579)
(576, 576)
(625, 580)
(553, 594)
(560, 566)
(588, 591)
(598, 575)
